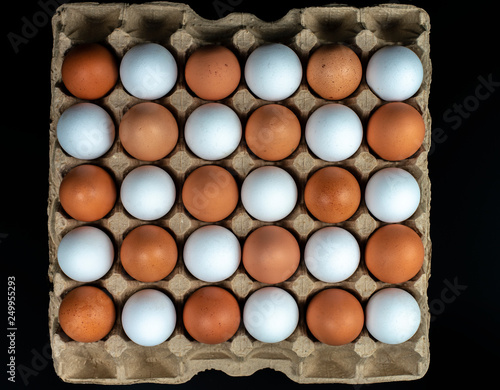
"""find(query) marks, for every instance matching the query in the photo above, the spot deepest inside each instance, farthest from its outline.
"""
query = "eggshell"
(85, 131)
(148, 71)
(148, 131)
(272, 132)
(395, 131)
(212, 72)
(392, 194)
(85, 254)
(87, 314)
(148, 253)
(335, 316)
(334, 132)
(334, 71)
(213, 131)
(211, 315)
(269, 193)
(89, 71)
(394, 73)
(87, 193)
(212, 253)
(392, 315)
(394, 253)
(148, 317)
(271, 254)
(148, 192)
(270, 314)
(210, 193)
(273, 71)
(332, 194)
(332, 254)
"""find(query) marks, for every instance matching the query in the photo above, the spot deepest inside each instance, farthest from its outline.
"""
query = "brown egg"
(394, 253)
(87, 314)
(272, 132)
(332, 194)
(148, 131)
(211, 315)
(210, 193)
(335, 316)
(395, 131)
(89, 71)
(212, 72)
(148, 253)
(87, 193)
(271, 254)
(334, 71)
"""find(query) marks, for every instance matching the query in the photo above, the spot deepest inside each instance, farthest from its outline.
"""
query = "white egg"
(334, 132)
(394, 73)
(148, 71)
(270, 314)
(273, 72)
(148, 192)
(213, 131)
(149, 317)
(392, 195)
(85, 131)
(269, 193)
(212, 253)
(332, 254)
(85, 254)
(392, 315)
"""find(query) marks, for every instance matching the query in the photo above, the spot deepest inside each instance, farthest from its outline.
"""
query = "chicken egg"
(148, 192)
(273, 72)
(334, 132)
(332, 254)
(210, 193)
(87, 193)
(395, 131)
(85, 254)
(148, 317)
(335, 316)
(213, 131)
(270, 314)
(334, 71)
(211, 315)
(148, 253)
(87, 314)
(392, 315)
(85, 131)
(269, 193)
(392, 194)
(148, 131)
(332, 194)
(148, 71)
(212, 253)
(272, 132)
(271, 254)
(212, 72)
(394, 253)
(394, 73)
(89, 71)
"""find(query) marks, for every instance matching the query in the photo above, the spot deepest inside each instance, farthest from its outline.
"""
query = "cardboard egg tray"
(116, 359)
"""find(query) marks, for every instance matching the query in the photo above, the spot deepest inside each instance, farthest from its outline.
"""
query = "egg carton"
(116, 359)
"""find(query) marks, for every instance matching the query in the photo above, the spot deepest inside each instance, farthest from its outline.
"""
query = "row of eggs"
(212, 315)
(210, 193)
(272, 71)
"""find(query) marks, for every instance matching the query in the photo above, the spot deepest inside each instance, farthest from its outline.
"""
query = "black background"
(462, 166)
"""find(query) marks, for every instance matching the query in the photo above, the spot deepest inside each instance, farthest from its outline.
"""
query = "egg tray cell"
(116, 359)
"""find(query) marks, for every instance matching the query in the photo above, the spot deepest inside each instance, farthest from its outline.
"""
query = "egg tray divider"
(117, 360)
